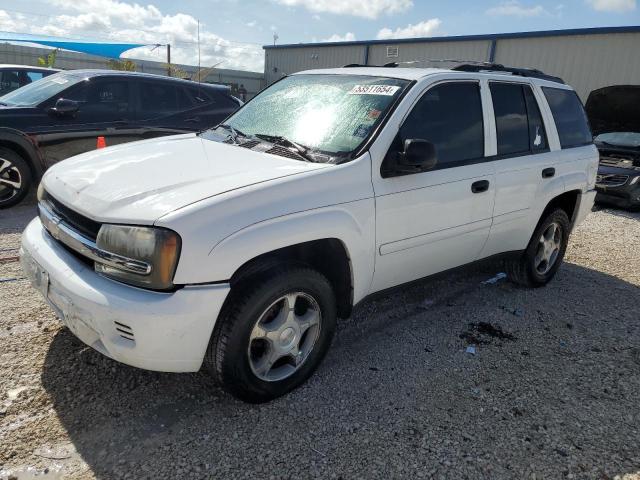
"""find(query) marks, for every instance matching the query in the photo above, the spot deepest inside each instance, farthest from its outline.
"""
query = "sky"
(232, 32)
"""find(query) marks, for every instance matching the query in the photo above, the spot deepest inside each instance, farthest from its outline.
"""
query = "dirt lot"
(551, 392)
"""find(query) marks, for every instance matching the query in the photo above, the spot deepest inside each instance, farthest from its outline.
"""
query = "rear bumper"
(586, 205)
(156, 331)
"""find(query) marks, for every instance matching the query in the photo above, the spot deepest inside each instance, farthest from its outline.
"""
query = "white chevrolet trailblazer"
(234, 250)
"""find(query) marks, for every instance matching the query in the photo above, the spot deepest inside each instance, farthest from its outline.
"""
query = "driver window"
(449, 116)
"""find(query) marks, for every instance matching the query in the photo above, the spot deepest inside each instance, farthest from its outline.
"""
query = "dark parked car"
(64, 114)
(13, 77)
(614, 113)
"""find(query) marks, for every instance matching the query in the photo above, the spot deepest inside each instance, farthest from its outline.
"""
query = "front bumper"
(166, 332)
(626, 196)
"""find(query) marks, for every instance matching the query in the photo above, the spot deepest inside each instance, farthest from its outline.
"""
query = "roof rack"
(496, 67)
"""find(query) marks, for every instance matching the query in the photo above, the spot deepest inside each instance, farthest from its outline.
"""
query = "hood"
(142, 181)
(614, 109)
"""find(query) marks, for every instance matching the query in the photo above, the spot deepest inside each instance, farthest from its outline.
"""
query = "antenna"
(275, 37)
(199, 80)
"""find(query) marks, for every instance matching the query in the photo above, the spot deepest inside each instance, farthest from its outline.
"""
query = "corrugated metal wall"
(587, 62)
(280, 62)
(23, 55)
(473, 50)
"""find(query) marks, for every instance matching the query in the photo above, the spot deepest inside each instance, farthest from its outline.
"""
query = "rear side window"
(159, 98)
(571, 120)
(510, 110)
(450, 117)
(519, 125)
(33, 76)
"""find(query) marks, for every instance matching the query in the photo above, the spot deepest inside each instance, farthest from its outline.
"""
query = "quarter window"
(450, 117)
(568, 113)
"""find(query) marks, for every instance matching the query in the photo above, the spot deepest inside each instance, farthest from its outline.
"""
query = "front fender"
(25, 146)
(351, 223)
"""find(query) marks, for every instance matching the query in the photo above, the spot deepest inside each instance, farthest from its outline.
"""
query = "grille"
(284, 152)
(613, 160)
(612, 180)
(249, 144)
(125, 331)
(82, 224)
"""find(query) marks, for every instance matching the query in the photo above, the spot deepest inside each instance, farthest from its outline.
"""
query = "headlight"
(634, 180)
(153, 253)
(40, 195)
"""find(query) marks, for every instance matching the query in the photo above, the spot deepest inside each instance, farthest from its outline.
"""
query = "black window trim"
(577, 145)
(547, 149)
(462, 163)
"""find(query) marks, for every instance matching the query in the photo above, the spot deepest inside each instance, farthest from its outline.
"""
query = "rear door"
(523, 162)
(431, 221)
(165, 108)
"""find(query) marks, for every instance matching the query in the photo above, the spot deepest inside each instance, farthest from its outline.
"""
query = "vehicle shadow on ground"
(397, 394)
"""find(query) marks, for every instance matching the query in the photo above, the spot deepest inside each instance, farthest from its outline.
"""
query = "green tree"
(50, 60)
(122, 65)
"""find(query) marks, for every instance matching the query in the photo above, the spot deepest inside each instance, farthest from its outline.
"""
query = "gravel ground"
(551, 391)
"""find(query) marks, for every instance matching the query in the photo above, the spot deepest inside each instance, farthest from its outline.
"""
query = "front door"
(104, 111)
(431, 221)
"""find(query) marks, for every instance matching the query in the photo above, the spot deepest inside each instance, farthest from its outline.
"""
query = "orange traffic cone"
(101, 143)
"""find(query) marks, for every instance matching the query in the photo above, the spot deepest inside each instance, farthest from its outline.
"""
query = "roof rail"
(496, 67)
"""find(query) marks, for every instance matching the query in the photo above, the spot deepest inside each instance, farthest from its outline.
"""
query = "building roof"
(462, 38)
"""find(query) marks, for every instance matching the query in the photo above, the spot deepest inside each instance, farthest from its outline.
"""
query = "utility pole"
(169, 59)
(199, 52)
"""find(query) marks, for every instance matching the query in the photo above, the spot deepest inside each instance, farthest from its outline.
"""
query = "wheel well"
(35, 174)
(328, 256)
(568, 202)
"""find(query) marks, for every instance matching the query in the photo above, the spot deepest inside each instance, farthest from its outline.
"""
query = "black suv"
(613, 113)
(63, 115)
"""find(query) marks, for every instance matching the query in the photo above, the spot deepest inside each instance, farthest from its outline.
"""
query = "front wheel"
(272, 334)
(540, 261)
(15, 178)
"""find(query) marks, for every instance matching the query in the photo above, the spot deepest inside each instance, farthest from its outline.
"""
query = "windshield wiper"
(285, 142)
(233, 133)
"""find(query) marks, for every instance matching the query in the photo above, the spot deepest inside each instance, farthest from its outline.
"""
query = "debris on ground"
(496, 279)
(477, 333)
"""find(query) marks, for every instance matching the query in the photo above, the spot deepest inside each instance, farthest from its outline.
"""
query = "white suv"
(234, 250)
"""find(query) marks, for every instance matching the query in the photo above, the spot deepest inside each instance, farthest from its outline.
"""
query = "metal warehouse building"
(587, 59)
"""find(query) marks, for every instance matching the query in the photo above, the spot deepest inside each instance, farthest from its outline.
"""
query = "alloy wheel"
(549, 246)
(10, 180)
(284, 336)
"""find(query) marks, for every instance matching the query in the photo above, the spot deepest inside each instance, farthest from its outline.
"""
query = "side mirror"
(418, 156)
(64, 107)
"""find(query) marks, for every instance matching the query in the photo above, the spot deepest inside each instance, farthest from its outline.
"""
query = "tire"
(15, 178)
(527, 270)
(239, 351)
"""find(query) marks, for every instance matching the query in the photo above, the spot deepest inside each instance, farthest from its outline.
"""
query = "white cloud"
(359, 8)
(252, 24)
(514, 8)
(120, 21)
(423, 29)
(347, 37)
(613, 5)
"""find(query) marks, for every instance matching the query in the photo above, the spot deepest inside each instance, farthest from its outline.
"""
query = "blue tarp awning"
(102, 49)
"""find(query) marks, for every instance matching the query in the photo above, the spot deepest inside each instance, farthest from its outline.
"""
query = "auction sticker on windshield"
(388, 90)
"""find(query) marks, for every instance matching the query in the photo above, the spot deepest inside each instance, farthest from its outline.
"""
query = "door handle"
(480, 186)
(548, 172)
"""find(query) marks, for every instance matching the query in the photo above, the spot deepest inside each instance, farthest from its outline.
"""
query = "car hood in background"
(142, 181)
(614, 109)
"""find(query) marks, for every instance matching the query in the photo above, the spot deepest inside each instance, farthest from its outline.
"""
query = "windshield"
(620, 139)
(41, 90)
(333, 114)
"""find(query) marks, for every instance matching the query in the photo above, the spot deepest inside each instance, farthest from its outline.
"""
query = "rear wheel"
(15, 178)
(539, 263)
(273, 333)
